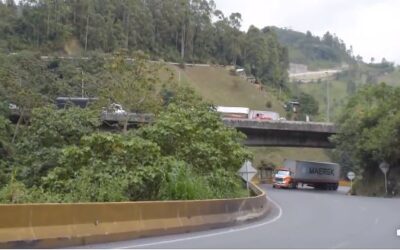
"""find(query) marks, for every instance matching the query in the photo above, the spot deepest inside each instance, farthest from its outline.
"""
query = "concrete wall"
(61, 225)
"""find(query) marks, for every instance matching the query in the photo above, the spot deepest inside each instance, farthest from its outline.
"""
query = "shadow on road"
(306, 189)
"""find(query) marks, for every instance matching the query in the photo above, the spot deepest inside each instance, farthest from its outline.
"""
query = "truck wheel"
(273, 186)
(336, 186)
(319, 186)
(293, 185)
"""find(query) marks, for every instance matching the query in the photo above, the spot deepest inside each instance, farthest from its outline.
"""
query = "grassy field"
(337, 97)
(277, 155)
(216, 85)
(391, 79)
(338, 93)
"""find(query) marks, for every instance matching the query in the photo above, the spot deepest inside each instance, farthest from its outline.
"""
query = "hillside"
(345, 84)
(304, 48)
(215, 84)
(218, 86)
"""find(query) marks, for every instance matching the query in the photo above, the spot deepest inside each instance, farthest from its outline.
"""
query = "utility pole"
(82, 84)
(327, 100)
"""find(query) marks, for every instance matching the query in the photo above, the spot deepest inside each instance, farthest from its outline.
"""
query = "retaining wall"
(61, 225)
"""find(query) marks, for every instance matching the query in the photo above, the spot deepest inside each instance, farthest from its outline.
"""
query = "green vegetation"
(325, 52)
(216, 85)
(180, 31)
(276, 155)
(65, 158)
(63, 155)
(368, 135)
(344, 85)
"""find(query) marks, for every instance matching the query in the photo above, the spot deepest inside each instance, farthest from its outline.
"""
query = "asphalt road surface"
(303, 218)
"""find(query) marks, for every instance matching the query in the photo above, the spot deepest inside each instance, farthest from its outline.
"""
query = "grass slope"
(337, 97)
(216, 85)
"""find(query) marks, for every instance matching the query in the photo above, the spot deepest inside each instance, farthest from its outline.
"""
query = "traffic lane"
(327, 219)
(310, 219)
(315, 219)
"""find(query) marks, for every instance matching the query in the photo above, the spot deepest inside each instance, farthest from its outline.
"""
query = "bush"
(197, 136)
(182, 183)
(14, 192)
(226, 184)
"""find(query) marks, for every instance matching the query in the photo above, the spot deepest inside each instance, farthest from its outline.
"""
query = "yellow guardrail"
(61, 225)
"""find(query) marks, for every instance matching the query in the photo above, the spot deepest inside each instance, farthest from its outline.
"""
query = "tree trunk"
(183, 41)
(74, 20)
(21, 116)
(127, 31)
(176, 40)
(125, 129)
(87, 31)
(48, 21)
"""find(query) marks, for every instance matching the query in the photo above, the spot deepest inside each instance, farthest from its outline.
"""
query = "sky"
(372, 27)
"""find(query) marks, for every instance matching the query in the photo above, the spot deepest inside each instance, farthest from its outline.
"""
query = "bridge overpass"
(284, 133)
(259, 133)
(264, 133)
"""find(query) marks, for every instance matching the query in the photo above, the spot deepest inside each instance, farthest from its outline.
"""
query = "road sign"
(351, 175)
(384, 166)
(247, 171)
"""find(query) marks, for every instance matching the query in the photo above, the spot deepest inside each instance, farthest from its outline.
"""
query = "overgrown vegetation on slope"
(175, 30)
(345, 84)
(368, 135)
(64, 156)
(305, 48)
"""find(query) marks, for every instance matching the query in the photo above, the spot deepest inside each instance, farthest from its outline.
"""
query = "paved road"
(303, 218)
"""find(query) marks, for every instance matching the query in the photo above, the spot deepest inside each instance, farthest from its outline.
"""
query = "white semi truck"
(320, 175)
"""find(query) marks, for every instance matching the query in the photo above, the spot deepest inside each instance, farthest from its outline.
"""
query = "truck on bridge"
(320, 175)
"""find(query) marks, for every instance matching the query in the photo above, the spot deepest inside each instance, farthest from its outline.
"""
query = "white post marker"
(351, 176)
(247, 172)
(384, 166)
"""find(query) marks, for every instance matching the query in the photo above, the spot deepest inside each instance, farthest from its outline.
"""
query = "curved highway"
(303, 218)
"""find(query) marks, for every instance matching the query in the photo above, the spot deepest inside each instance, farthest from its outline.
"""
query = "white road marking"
(398, 232)
(212, 234)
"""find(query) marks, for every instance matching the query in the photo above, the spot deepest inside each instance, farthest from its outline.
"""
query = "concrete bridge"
(263, 133)
(259, 133)
(284, 133)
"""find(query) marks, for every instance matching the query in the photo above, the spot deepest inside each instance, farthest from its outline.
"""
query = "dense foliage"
(63, 157)
(175, 30)
(314, 51)
(369, 132)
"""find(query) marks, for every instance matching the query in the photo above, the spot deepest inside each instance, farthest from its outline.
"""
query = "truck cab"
(283, 178)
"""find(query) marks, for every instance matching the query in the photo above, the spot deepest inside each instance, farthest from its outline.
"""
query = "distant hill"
(305, 48)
